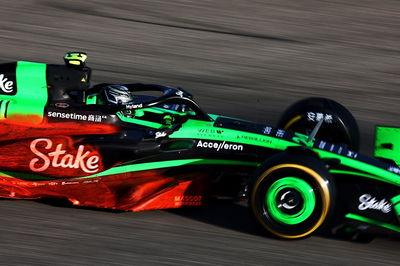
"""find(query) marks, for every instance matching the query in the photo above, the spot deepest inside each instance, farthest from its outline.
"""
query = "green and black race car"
(126, 147)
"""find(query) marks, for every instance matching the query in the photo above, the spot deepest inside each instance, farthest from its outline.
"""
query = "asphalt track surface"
(248, 59)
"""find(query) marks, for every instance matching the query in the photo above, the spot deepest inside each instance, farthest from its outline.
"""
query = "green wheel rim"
(297, 185)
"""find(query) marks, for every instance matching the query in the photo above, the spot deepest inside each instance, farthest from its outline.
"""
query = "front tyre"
(291, 197)
(339, 124)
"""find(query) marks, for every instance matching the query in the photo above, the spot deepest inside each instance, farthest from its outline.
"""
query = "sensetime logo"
(218, 146)
(58, 157)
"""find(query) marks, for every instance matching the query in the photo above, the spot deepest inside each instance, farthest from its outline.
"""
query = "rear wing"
(23, 90)
(387, 143)
(27, 87)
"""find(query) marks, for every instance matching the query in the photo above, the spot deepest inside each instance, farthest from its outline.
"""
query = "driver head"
(118, 94)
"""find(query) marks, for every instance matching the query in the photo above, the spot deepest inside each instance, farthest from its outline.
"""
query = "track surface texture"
(248, 59)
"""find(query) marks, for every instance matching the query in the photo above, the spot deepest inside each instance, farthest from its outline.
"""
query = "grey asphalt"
(248, 59)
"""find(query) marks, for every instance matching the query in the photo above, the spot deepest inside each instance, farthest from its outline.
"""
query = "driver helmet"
(118, 94)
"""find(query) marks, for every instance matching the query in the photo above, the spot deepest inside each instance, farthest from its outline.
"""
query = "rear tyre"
(291, 196)
(339, 124)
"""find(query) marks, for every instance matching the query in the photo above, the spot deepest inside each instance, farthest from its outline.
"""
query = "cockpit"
(150, 105)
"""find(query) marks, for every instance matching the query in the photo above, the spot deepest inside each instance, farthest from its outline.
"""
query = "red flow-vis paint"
(49, 149)
(54, 157)
(14, 130)
(133, 191)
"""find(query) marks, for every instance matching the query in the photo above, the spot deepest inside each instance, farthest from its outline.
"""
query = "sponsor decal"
(188, 200)
(322, 145)
(316, 117)
(267, 130)
(219, 145)
(332, 147)
(210, 131)
(7, 86)
(273, 132)
(270, 131)
(59, 158)
(179, 93)
(63, 183)
(280, 133)
(255, 138)
(78, 117)
(394, 169)
(369, 202)
(160, 134)
(134, 106)
(338, 149)
(351, 154)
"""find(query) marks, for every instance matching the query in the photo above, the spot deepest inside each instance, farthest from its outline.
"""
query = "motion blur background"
(249, 59)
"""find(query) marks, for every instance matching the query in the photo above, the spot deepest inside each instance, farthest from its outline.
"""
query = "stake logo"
(6, 85)
(369, 202)
(59, 158)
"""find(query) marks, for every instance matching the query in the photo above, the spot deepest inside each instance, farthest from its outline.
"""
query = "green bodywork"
(195, 129)
(365, 169)
(387, 143)
(31, 97)
(396, 204)
(360, 218)
(137, 121)
(136, 167)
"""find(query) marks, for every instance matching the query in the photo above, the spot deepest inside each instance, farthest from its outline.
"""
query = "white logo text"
(369, 202)
(5, 84)
(60, 158)
(219, 146)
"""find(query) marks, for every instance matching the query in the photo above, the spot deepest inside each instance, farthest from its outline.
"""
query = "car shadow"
(230, 215)
(225, 214)
(64, 203)
(237, 217)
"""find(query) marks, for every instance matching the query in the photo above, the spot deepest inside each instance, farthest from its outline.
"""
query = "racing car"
(135, 147)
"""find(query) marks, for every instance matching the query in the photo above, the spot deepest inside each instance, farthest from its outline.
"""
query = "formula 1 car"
(124, 147)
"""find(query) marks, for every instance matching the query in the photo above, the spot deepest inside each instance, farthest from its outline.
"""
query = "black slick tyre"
(339, 124)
